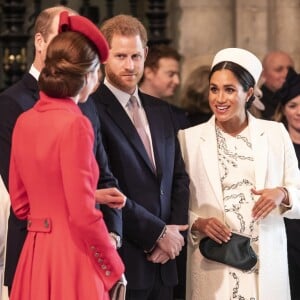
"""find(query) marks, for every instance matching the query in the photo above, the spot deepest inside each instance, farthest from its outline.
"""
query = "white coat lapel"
(208, 146)
(260, 151)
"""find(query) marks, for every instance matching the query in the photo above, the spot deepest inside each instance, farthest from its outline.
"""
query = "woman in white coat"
(245, 178)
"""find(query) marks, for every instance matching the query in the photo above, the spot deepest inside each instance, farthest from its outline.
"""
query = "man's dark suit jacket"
(270, 103)
(153, 198)
(13, 101)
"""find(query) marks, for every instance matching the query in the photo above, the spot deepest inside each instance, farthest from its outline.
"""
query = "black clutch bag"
(237, 252)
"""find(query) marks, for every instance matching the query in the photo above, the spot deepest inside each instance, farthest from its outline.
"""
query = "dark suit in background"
(13, 101)
(292, 227)
(270, 103)
(154, 198)
(180, 117)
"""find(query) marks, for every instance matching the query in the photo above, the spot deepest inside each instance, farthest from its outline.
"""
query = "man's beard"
(117, 81)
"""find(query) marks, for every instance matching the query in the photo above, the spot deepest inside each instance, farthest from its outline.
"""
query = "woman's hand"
(213, 228)
(111, 197)
(268, 200)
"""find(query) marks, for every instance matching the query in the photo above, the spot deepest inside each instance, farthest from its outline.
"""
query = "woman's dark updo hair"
(70, 56)
(242, 75)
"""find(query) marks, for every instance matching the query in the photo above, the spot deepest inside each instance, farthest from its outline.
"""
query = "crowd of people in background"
(114, 168)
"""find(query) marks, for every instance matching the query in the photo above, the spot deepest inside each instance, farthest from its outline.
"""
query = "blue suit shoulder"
(23, 93)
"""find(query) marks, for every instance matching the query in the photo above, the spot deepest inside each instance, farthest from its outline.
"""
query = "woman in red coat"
(53, 175)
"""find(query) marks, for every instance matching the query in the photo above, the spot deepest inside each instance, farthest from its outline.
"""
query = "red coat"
(53, 176)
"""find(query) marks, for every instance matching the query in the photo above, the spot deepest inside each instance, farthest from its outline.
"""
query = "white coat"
(275, 165)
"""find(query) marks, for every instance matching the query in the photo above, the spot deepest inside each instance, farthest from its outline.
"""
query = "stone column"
(284, 27)
(199, 28)
(251, 26)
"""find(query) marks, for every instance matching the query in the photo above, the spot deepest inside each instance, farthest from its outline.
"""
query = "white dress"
(236, 167)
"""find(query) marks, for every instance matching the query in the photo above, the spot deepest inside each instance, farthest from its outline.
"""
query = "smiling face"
(164, 79)
(276, 67)
(227, 99)
(125, 64)
(292, 113)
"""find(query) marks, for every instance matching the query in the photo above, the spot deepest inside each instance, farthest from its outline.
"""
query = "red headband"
(87, 28)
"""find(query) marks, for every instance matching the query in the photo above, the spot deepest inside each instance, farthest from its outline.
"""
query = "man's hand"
(172, 242)
(111, 197)
(113, 242)
(158, 256)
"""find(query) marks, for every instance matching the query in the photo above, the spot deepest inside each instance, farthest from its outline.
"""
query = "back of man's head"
(43, 22)
(45, 29)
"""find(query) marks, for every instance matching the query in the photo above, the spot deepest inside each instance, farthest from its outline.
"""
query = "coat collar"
(46, 103)
(208, 148)
(260, 150)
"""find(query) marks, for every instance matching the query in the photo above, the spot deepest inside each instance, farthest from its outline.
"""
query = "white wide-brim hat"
(242, 57)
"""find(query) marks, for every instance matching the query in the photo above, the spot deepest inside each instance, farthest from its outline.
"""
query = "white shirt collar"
(122, 97)
(34, 72)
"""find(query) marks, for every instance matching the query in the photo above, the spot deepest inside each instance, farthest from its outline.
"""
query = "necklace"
(234, 131)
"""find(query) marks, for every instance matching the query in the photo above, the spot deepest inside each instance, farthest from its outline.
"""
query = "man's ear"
(146, 51)
(148, 72)
(39, 42)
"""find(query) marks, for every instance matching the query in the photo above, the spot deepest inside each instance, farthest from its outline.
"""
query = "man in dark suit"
(161, 79)
(21, 97)
(156, 184)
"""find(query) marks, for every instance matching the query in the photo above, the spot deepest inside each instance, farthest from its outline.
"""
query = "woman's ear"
(250, 93)
(86, 78)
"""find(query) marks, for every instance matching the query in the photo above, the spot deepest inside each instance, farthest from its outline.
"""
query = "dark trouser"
(293, 249)
(294, 273)
(157, 292)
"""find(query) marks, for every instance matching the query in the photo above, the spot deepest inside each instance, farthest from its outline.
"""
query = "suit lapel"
(260, 151)
(121, 119)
